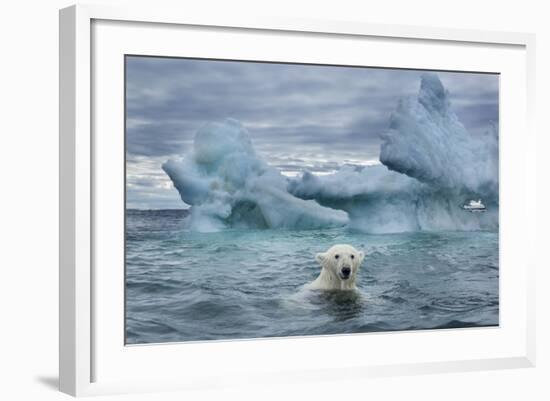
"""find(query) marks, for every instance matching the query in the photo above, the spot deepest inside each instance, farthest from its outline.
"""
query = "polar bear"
(339, 266)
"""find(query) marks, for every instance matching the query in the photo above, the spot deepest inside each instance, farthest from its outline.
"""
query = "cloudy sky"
(297, 115)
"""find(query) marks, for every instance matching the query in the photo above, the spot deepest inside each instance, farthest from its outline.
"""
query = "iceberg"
(379, 200)
(430, 166)
(229, 185)
(427, 141)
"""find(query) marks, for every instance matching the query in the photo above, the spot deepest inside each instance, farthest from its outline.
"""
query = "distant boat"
(474, 206)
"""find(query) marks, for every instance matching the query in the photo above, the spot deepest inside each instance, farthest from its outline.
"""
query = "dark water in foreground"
(183, 285)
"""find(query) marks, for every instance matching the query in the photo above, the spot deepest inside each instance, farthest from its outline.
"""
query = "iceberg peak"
(432, 95)
(426, 141)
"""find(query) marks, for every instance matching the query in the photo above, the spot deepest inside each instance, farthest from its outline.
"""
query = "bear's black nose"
(346, 271)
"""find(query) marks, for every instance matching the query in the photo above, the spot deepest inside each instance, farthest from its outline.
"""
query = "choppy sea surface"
(236, 284)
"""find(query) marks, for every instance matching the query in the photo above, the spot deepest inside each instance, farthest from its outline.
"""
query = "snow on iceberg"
(228, 184)
(426, 141)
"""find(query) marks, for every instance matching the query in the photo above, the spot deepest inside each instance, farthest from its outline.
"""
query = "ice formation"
(227, 184)
(427, 141)
(379, 200)
(431, 165)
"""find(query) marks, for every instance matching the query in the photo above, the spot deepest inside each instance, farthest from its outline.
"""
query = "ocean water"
(236, 284)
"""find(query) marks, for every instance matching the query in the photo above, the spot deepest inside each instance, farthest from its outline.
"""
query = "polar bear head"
(340, 264)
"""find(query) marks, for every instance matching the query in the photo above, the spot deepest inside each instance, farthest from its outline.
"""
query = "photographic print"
(272, 199)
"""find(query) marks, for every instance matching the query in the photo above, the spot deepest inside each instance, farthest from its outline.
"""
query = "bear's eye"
(353, 256)
(336, 256)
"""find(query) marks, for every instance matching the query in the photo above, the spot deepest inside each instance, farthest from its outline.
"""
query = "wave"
(430, 166)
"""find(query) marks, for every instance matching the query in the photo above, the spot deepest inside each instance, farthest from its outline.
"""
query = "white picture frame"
(91, 361)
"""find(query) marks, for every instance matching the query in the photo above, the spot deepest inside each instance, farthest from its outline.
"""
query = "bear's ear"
(320, 258)
(361, 256)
